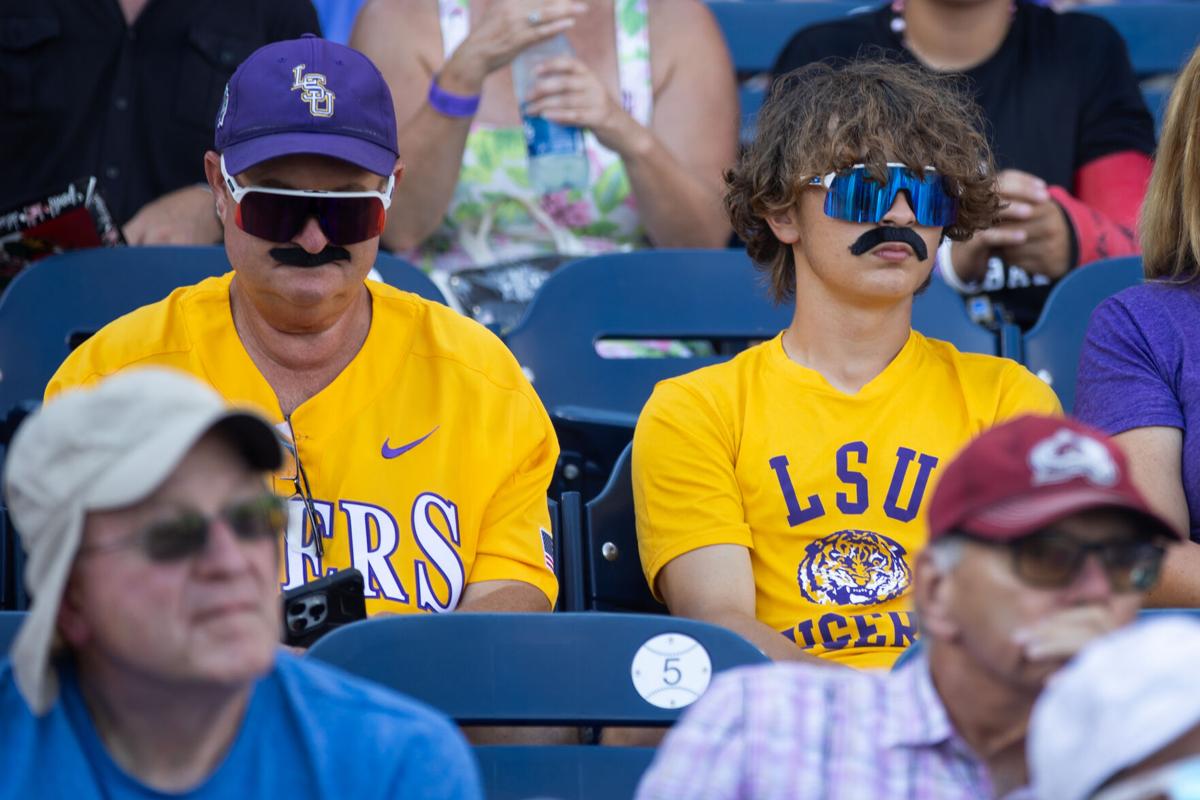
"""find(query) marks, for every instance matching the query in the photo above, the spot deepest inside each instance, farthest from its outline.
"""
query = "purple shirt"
(797, 731)
(1140, 367)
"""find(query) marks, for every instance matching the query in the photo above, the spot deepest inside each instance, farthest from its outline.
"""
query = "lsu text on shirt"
(826, 489)
(428, 457)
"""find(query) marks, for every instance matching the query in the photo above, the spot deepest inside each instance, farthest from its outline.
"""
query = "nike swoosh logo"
(392, 452)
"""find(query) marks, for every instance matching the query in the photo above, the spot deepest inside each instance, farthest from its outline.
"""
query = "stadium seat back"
(647, 294)
(535, 669)
(569, 773)
(10, 623)
(1159, 36)
(939, 313)
(402, 274)
(613, 576)
(1050, 349)
(756, 33)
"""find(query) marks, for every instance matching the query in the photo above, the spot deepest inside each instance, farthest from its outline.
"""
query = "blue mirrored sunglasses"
(854, 196)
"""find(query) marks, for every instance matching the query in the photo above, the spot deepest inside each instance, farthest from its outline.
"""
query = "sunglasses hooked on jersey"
(1053, 561)
(853, 195)
(292, 472)
(278, 215)
(187, 534)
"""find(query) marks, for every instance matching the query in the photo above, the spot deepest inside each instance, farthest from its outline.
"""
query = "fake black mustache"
(882, 235)
(299, 257)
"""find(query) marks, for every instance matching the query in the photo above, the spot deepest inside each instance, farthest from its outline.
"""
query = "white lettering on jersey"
(374, 562)
(433, 543)
(301, 562)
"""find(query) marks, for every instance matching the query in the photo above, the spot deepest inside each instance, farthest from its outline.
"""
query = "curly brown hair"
(828, 116)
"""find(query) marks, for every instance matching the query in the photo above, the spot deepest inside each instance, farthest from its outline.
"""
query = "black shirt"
(1058, 93)
(86, 94)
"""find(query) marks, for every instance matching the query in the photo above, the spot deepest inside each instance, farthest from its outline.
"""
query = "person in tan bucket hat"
(150, 661)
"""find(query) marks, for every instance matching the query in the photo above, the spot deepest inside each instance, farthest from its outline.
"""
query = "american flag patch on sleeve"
(548, 550)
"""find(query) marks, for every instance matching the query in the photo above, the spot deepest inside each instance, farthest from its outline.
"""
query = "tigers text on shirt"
(826, 489)
(428, 456)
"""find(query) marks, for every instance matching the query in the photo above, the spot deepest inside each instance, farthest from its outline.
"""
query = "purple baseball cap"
(307, 96)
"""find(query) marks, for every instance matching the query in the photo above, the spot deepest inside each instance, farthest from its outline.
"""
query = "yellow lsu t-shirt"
(826, 489)
(428, 457)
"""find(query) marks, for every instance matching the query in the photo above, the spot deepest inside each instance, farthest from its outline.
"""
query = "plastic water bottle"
(556, 156)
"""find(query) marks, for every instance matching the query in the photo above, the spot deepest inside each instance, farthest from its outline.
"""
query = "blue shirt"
(310, 731)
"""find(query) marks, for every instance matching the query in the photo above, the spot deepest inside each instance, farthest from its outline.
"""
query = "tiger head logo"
(853, 567)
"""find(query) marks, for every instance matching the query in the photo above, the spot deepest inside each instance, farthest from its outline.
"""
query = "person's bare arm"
(1155, 464)
(404, 39)
(675, 165)
(184, 216)
(716, 584)
(502, 596)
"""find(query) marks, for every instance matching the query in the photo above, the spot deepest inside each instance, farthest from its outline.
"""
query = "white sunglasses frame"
(826, 180)
(238, 192)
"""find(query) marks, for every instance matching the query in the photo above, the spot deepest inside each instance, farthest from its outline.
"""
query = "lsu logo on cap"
(313, 91)
(1067, 455)
(224, 107)
(853, 567)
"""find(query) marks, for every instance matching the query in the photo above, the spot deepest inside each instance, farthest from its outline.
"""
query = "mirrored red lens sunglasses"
(278, 215)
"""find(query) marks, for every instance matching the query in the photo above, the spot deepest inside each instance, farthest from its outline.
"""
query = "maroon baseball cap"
(307, 96)
(1032, 471)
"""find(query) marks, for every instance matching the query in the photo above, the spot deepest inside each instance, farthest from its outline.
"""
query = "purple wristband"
(451, 105)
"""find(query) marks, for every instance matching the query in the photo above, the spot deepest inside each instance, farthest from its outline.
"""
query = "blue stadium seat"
(756, 33)
(1050, 349)
(713, 295)
(542, 669)
(10, 622)
(402, 274)
(612, 579)
(1160, 36)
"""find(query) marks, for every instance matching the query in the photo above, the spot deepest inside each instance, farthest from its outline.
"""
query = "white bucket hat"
(1124, 697)
(102, 447)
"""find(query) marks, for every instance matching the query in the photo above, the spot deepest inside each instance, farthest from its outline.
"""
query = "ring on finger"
(535, 16)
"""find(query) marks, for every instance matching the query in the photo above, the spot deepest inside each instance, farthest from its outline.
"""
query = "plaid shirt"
(812, 733)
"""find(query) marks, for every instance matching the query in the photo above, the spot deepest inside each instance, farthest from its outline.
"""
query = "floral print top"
(495, 215)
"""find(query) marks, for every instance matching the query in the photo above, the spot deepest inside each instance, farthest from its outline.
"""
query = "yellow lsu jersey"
(428, 457)
(826, 489)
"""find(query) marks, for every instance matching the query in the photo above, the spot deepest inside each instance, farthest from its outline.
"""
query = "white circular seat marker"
(671, 670)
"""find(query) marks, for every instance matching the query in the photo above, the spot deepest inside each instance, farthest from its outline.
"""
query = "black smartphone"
(314, 609)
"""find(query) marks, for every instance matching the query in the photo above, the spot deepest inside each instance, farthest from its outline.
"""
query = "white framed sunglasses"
(278, 215)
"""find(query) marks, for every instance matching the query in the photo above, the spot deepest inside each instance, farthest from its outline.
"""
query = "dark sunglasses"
(186, 535)
(853, 195)
(1053, 561)
(278, 215)
(293, 472)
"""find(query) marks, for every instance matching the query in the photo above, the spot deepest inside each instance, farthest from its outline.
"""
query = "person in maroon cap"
(1039, 542)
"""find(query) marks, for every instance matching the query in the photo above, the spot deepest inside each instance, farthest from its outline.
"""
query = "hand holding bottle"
(503, 31)
(566, 91)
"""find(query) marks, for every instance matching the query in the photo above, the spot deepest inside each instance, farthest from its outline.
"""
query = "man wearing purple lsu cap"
(1039, 542)
(421, 453)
